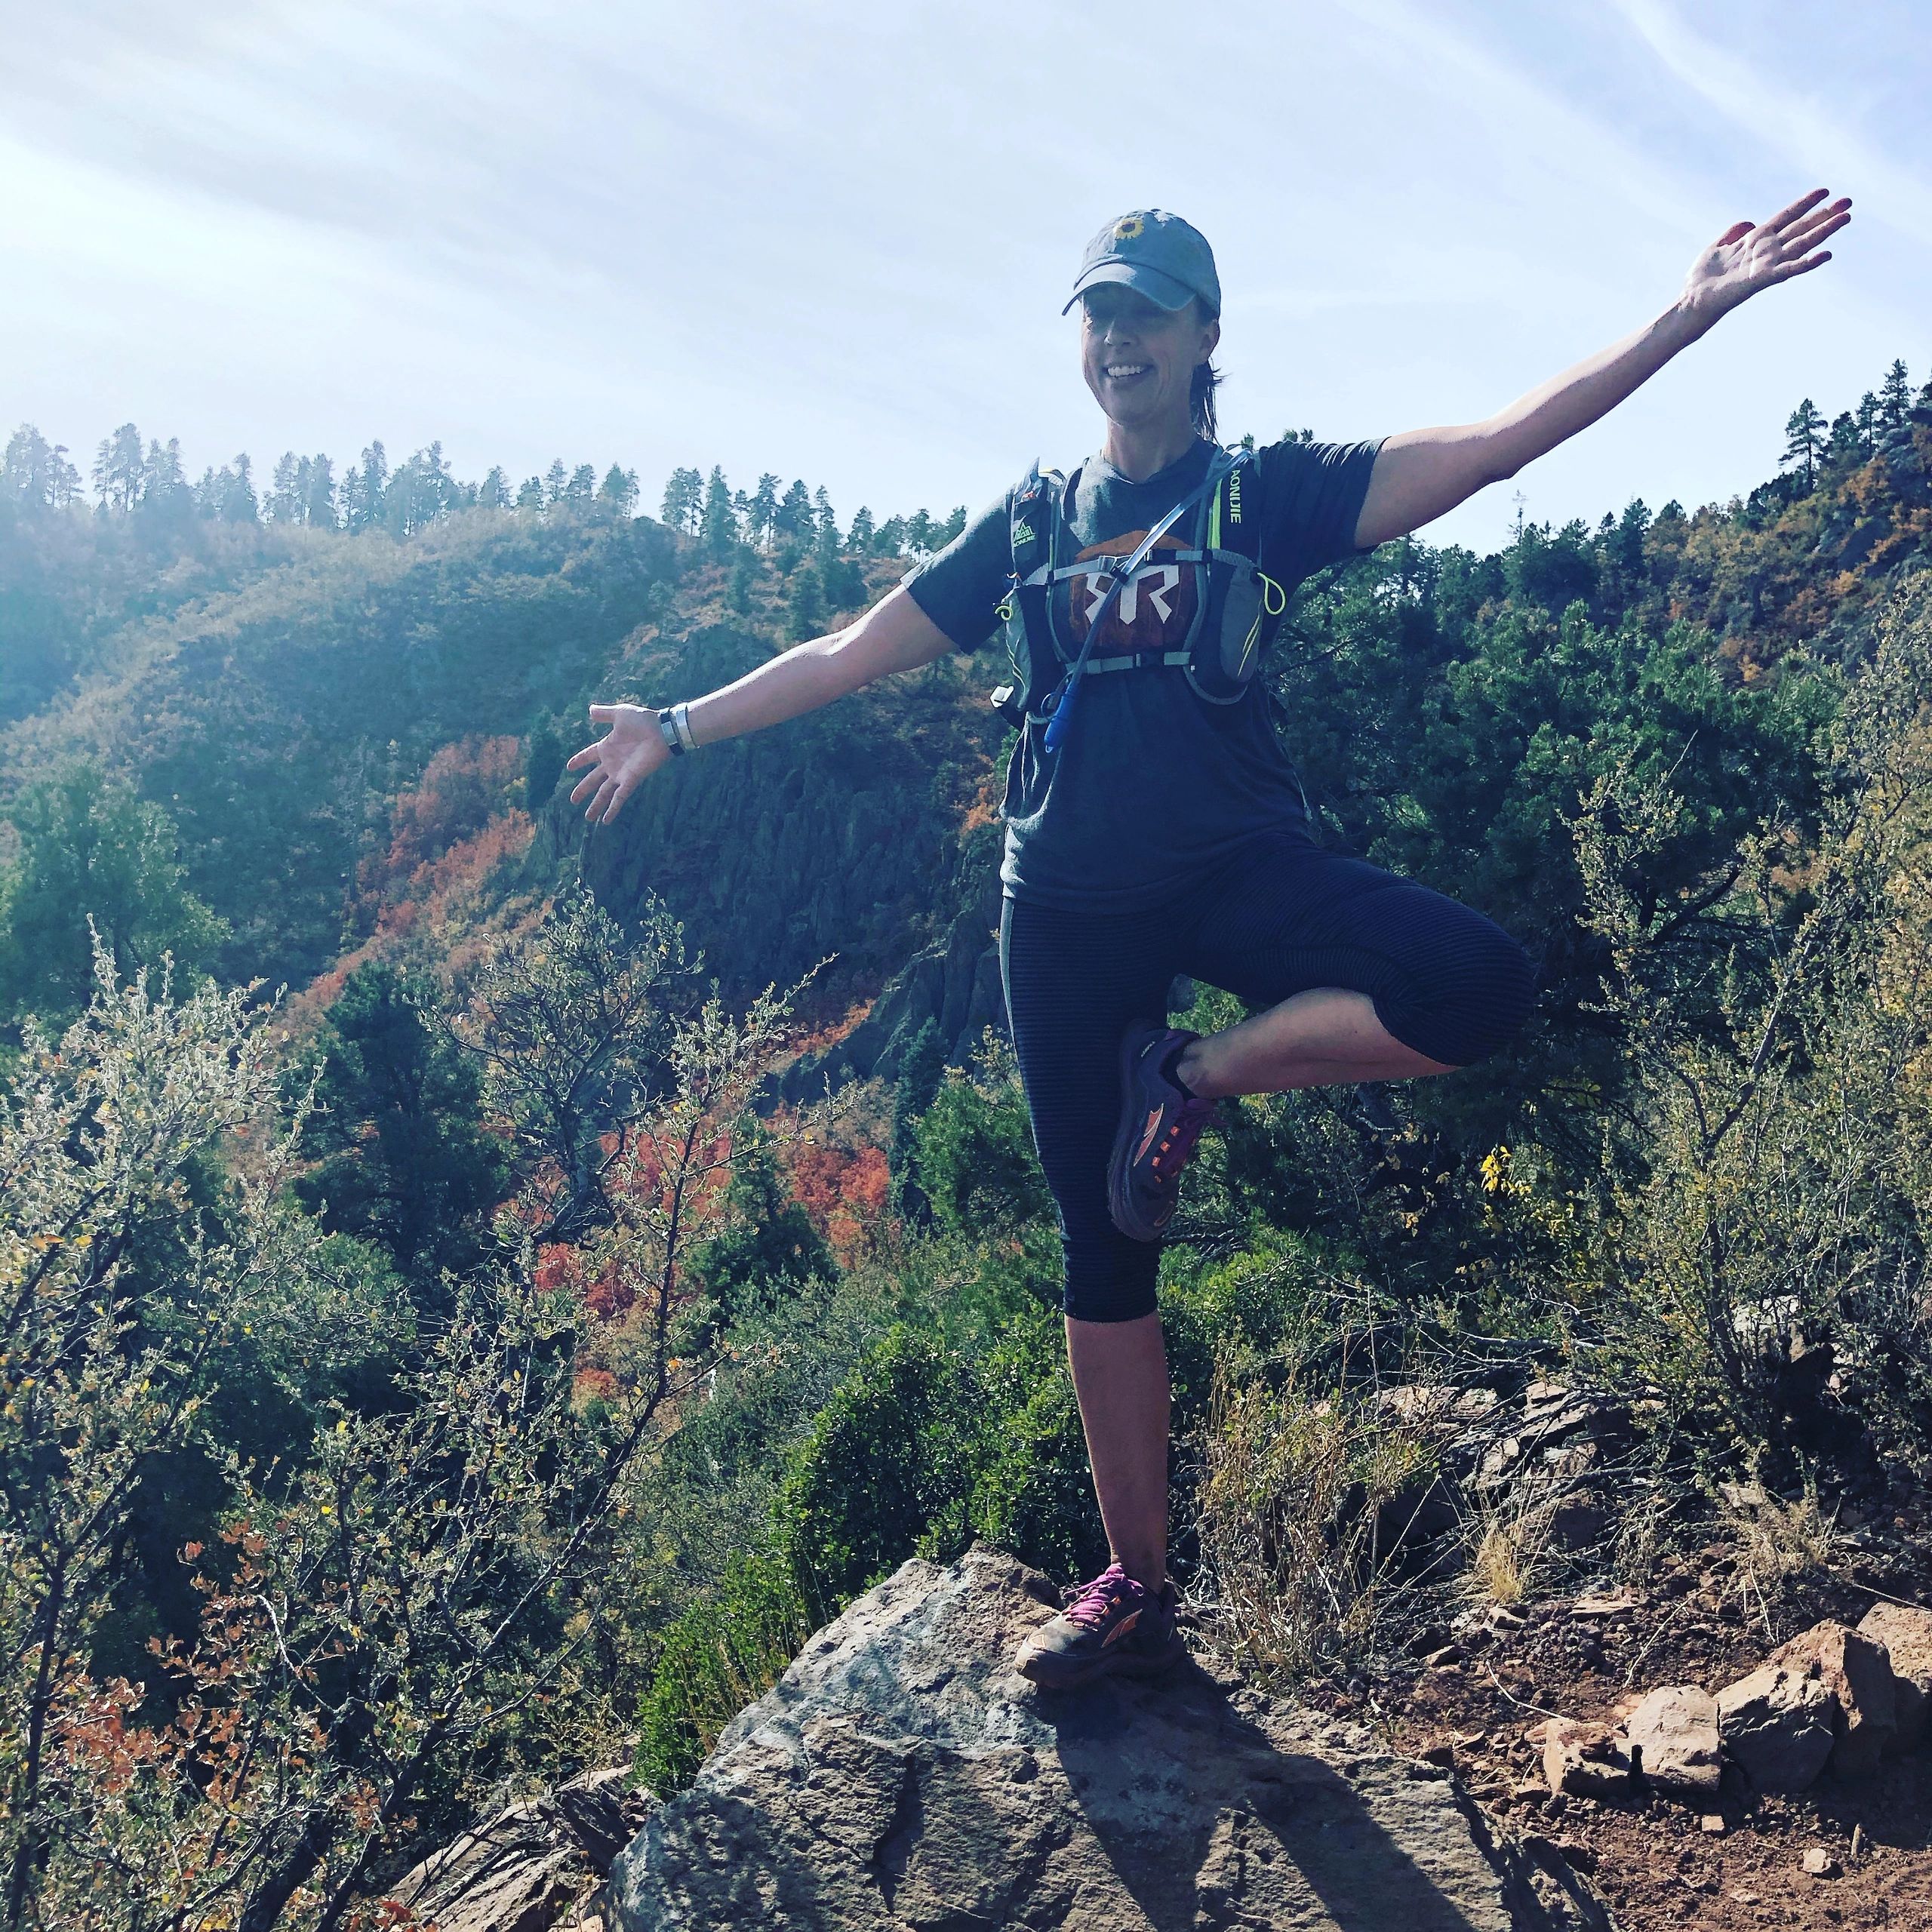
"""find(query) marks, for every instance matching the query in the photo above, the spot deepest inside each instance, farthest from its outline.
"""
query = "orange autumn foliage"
(844, 1190)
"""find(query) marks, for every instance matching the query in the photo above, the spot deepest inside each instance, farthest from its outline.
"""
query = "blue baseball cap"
(1167, 259)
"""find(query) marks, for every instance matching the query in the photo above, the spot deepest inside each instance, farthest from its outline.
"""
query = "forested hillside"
(417, 1386)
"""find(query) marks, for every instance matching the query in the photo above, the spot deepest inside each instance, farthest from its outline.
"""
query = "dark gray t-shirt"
(1152, 782)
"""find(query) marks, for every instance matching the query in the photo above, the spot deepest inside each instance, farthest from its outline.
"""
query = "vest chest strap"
(1136, 661)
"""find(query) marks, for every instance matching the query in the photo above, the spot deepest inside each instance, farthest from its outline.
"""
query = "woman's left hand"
(1749, 255)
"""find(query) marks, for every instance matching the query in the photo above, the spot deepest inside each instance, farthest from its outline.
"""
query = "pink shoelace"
(1172, 1152)
(1096, 1600)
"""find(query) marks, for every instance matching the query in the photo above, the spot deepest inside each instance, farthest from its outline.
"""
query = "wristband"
(673, 743)
(680, 723)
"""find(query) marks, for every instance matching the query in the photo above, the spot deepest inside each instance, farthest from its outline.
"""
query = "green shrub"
(976, 1161)
(724, 1652)
(889, 1457)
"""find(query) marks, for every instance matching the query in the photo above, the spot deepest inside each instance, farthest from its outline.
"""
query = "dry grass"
(1305, 1502)
(1777, 1541)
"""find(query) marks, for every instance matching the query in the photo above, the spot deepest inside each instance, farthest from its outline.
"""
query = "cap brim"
(1164, 290)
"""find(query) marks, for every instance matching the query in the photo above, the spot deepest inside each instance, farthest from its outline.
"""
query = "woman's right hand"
(619, 762)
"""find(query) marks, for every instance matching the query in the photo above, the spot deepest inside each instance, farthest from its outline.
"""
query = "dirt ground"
(1699, 1619)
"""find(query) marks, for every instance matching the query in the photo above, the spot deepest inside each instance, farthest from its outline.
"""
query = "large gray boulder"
(901, 1778)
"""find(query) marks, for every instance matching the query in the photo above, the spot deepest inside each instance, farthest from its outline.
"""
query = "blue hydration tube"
(1057, 725)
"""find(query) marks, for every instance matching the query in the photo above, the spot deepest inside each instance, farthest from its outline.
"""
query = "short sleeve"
(1312, 496)
(960, 588)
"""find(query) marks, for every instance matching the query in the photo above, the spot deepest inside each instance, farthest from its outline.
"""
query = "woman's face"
(1139, 358)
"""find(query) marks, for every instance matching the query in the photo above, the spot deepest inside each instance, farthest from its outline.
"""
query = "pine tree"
(891, 540)
(859, 538)
(719, 530)
(530, 494)
(683, 496)
(764, 517)
(1866, 420)
(919, 528)
(1843, 450)
(320, 512)
(435, 484)
(165, 491)
(793, 518)
(118, 468)
(35, 474)
(1804, 439)
(238, 502)
(920, 1068)
(825, 525)
(580, 492)
(805, 607)
(556, 481)
(286, 501)
(493, 493)
(744, 580)
(1894, 397)
(618, 492)
(363, 490)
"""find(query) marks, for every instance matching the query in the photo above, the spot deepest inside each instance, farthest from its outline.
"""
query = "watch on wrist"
(667, 725)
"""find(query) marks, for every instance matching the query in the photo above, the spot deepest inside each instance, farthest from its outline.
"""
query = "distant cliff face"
(837, 835)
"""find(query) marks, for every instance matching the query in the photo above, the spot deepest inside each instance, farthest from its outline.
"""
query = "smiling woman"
(1160, 830)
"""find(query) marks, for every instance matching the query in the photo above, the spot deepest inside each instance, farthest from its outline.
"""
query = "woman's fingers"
(587, 756)
(1806, 235)
(1736, 231)
(603, 713)
(1810, 262)
(1803, 205)
(586, 783)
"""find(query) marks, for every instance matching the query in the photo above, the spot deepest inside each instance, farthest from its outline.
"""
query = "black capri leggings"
(1279, 917)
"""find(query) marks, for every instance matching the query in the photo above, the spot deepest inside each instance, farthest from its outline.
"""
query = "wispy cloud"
(1552, 130)
(1794, 123)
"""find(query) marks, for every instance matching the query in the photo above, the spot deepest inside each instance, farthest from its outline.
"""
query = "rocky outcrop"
(535, 1868)
(953, 983)
(901, 1778)
(835, 835)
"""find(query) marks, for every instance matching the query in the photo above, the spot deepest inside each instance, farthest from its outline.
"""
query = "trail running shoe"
(1112, 1624)
(1159, 1124)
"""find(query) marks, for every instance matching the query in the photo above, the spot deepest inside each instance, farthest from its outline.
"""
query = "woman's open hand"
(619, 762)
(1749, 255)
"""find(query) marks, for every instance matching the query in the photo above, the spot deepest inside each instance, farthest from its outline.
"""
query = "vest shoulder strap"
(1036, 502)
(1233, 511)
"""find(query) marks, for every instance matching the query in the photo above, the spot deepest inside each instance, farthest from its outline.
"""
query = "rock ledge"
(900, 1778)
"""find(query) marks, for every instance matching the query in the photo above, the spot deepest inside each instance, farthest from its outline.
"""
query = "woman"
(1153, 826)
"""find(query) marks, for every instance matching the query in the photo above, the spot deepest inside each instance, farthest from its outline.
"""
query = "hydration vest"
(1237, 607)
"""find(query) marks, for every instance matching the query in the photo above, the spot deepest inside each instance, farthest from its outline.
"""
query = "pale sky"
(832, 241)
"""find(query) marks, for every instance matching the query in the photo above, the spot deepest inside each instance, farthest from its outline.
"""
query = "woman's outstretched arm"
(1420, 474)
(895, 634)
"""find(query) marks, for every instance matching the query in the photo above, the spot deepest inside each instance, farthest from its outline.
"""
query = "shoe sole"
(1108, 1663)
(1120, 1203)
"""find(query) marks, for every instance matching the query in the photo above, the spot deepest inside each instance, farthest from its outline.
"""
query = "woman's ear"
(1211, 338)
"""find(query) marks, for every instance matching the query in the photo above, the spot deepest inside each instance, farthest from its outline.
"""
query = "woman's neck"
(1146, 449)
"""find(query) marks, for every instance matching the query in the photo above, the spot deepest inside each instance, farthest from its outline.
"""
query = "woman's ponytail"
(1206, 379)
